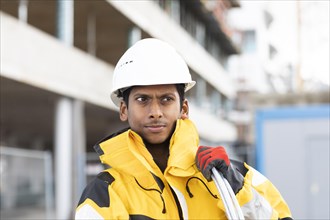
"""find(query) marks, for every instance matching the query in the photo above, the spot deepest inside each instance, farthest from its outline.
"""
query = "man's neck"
(160, 153)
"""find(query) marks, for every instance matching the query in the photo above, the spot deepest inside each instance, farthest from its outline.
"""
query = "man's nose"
(155, 110)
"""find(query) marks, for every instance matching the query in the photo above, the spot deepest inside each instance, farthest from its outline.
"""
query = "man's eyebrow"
(160, 95)
(168, 94)
(141, 94)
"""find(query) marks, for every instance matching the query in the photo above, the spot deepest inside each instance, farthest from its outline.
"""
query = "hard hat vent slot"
(127, 62)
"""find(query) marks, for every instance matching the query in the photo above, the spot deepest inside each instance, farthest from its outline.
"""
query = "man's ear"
(185, 109)
(123, 111)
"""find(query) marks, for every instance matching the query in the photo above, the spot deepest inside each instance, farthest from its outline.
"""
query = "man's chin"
(158, 141)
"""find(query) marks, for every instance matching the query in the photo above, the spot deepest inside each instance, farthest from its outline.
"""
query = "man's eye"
(167, 99)
(141, 99)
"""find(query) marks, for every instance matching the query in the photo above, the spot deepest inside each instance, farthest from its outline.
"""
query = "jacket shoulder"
(97, 189)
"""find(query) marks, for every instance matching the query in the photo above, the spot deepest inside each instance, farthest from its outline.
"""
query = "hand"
(209, 157)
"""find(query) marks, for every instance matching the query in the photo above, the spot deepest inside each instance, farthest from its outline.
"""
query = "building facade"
(57, 61)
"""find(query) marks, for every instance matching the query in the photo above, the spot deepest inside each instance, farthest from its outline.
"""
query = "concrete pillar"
(215, 102)
(201, 92)
(79, 150)
(134, 35)
(91, 33)
(63, 158)
(65, 28)
(64, 124)
(23, 10)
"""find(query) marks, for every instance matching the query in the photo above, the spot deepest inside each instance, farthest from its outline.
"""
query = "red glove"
(209, 157)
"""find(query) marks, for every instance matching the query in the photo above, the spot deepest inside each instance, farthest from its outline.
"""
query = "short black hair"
(179, 87)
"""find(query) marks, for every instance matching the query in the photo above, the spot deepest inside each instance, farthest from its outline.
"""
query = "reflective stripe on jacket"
(135, 188)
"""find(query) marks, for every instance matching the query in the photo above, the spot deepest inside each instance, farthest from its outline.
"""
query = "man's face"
(153, 111)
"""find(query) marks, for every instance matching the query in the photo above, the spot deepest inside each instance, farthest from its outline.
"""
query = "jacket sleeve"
(100, 201)
(259, 198)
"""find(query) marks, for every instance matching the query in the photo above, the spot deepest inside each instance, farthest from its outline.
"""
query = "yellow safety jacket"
(135, 188)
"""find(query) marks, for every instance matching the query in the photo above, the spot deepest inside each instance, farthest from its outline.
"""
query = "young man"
(157, 169)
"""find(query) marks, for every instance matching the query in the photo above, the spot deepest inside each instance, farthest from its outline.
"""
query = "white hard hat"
(149, 62)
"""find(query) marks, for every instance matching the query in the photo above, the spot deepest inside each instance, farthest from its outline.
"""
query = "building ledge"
(31, 56)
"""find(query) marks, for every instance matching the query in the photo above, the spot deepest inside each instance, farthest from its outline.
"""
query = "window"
(249, 41)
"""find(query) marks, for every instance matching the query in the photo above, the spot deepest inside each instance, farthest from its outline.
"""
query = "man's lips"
(155, 128)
